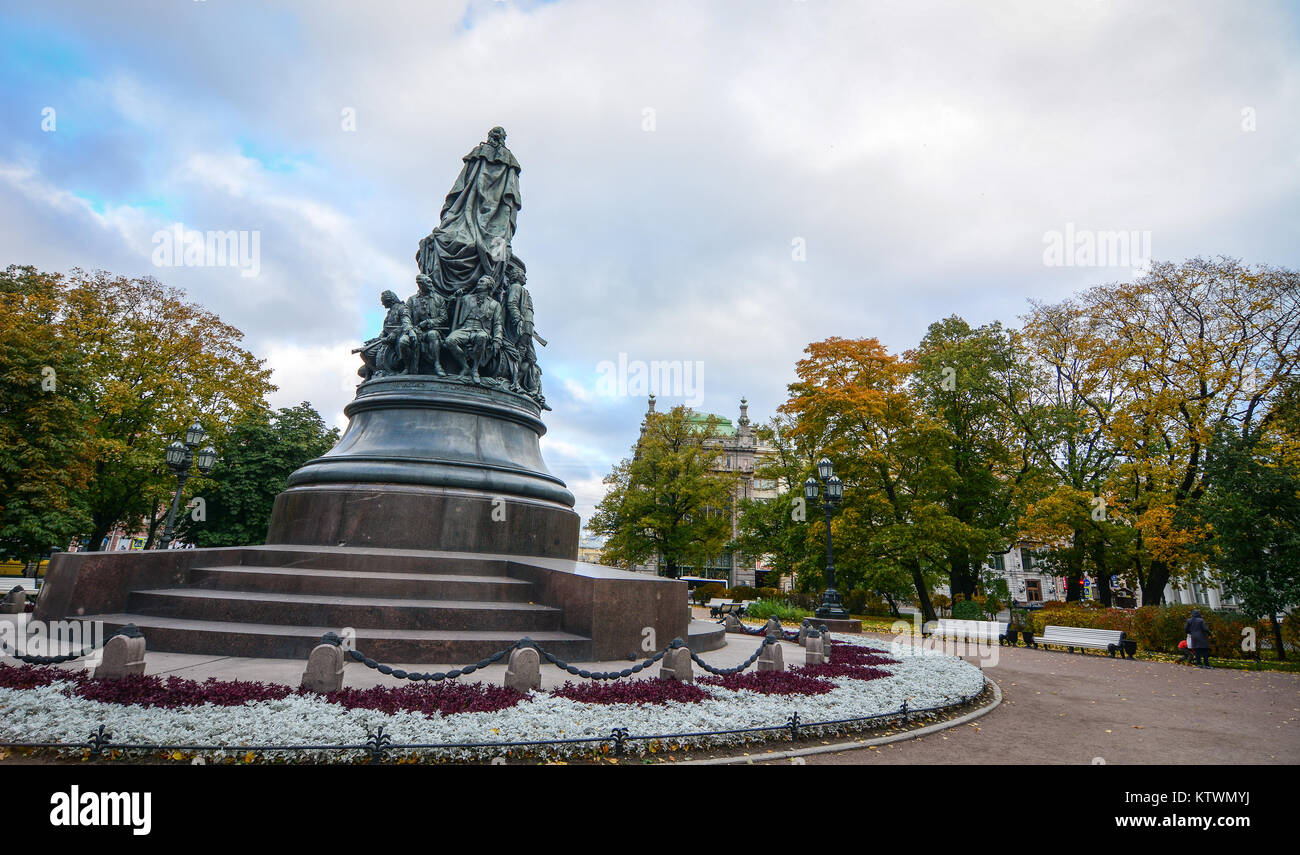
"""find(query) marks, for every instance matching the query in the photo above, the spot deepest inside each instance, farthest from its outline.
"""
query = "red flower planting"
(772, 683)
(842, 669)
(149, 691)
(631, 692)
(429, 698)
(855, 654)
(31, 676)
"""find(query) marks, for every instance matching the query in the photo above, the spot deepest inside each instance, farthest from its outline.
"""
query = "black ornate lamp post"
(180, 456)
(831, 608)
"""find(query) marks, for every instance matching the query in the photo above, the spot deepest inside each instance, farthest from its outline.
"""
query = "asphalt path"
(1074, 708)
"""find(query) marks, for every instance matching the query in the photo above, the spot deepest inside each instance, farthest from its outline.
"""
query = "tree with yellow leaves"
(154, 362)
(1195, 348)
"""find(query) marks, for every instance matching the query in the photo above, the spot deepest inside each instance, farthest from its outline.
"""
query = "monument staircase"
(404, 606)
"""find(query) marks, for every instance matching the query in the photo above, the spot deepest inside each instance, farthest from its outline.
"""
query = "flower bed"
(52, 706)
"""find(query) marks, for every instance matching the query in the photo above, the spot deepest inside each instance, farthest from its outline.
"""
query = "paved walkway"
(1072, 708)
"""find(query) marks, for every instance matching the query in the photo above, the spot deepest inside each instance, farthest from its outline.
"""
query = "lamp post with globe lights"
(180, 457)
(832, 608)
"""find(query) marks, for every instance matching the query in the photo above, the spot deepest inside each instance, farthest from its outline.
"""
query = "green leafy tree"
(45, 432)
(784, 529)
(668, 499)
(959, 378)
(256, 459)
(1252, 502)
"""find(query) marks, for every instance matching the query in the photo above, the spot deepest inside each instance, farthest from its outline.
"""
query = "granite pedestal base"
(852, 626)
(413, 517)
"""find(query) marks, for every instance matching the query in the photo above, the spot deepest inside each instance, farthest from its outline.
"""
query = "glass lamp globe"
(176, 453)
(194, 435)
(207, 458)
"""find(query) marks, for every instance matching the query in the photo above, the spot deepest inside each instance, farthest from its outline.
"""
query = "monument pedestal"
(852, 625)
(432, 463)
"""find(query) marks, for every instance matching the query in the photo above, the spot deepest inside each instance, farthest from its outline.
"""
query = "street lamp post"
(180, 457)
(832, 608)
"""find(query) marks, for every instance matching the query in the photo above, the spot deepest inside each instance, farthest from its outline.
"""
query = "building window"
(998, 562)
(1026, 559)
(1033, 591)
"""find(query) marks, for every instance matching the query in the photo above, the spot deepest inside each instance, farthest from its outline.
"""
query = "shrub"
(769, 594)
(856, 602)
(1077, 614)
(704, 593)
(967, 610)
(803, 601)
(1160, 628)
(742, 592)
(779, 609)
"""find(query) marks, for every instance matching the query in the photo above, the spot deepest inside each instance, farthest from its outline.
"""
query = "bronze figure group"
(471, 318)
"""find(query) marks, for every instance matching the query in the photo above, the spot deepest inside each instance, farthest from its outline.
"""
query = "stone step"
(365, 560)
(339, 611)
(387, 646)
(305, 580)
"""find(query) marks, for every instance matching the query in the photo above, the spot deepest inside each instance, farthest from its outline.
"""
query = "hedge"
(1159, 628)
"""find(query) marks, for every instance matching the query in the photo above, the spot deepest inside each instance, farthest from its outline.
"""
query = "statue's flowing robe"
(477, 222)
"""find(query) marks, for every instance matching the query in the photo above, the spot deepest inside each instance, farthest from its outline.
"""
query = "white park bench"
(721, 607)
(967, 630)
(1070, 637)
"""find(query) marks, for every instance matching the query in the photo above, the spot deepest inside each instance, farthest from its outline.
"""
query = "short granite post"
(731, 623)
(677, 666)
(772, 658)
(123, 656)
(324, 671)
(773, 629)
(14, 602)
(524, 672)
(814, 654)
(803, 634)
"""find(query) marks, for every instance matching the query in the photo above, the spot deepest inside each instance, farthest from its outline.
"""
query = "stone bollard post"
(14, 602)
(123, 655)
(773, 629)
(524, 673)
(731, 623)
(772, 658)
(803, 634)
(324, 671)
(814, 655)
(677, 666)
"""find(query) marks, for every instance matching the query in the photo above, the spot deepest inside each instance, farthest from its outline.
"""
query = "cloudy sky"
(711, 183)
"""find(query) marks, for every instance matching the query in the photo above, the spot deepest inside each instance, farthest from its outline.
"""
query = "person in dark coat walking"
(1198, 638)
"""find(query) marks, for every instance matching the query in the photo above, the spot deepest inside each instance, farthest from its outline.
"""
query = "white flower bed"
(923, 678)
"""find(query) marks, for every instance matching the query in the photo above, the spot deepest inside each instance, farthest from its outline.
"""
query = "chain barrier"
(333, 638)
(128, 631)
